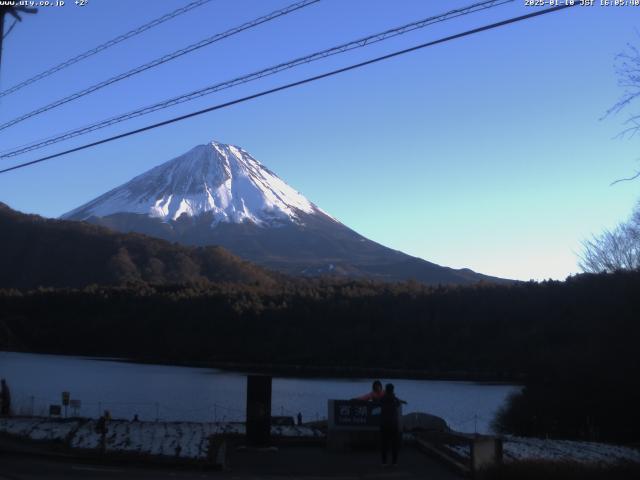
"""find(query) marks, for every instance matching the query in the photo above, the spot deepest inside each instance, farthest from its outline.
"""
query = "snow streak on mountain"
(217, 178)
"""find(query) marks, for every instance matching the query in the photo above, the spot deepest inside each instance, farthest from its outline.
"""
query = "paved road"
(314, 462)
(28, 467)
(293, 462)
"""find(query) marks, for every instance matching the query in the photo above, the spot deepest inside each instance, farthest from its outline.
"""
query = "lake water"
(206, 394)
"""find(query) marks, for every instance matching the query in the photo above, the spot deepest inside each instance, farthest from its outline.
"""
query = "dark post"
(258, 410)
(66, 396)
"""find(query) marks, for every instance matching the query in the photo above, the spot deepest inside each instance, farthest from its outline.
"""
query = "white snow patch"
(216, 178)
(521, 448)
(38, 428)
(173, 439)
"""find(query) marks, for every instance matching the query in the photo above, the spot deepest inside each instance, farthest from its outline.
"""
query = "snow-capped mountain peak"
(218, 194)
(223, 180)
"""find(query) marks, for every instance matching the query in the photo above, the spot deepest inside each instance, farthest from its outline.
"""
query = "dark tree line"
(575, 342)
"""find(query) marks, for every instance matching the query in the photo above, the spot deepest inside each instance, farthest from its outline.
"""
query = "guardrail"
(483, 450)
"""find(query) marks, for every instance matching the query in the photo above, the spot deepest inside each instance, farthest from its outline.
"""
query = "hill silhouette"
(36, 251)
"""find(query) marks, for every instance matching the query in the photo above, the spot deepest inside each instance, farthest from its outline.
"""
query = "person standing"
(390, 424)
(102, 427)
(5, 398)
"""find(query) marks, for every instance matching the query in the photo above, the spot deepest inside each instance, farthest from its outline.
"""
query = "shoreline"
(311, 371)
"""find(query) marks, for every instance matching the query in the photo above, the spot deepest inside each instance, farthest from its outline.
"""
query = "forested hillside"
(35, 251)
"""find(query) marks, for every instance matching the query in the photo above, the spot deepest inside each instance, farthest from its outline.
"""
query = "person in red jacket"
(375, 394)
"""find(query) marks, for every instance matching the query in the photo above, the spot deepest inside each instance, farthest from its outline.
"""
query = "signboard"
(356, 413)
(354, 423)
(75, 404)
(65, 398)
(55, 410)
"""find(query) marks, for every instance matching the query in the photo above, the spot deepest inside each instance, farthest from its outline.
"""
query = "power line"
(295, 84)
(164, 59)
(104, 46)
(360, 43)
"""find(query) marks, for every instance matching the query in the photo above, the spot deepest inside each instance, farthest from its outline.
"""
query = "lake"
(207, 394)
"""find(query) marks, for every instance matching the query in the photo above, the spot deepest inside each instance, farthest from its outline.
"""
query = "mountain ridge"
(218, 194)
(41, 252)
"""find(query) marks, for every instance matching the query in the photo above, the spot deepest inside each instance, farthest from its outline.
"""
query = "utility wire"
(164, 59)
(360, 43)
(103, 46)
(295, 84)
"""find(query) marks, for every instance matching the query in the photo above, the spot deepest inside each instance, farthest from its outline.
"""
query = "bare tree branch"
(627, 68)
(626, 179)
(617, 249)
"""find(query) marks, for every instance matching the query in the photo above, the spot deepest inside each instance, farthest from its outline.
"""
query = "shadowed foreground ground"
(309, 462)
(293, 462)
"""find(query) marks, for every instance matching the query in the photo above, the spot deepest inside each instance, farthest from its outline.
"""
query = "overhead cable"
(161, 60)
(359, 43)
(295, 84)
(103, 46)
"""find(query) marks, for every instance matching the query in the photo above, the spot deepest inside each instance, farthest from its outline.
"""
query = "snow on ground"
(520, 448)
(173, 439)
(38, 428)
(86, 436)
(463, 450)
(191, 439)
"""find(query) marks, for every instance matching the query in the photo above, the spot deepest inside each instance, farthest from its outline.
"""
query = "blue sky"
(487, 152)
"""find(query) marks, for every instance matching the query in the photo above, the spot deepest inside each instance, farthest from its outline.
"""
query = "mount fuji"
(218, 194)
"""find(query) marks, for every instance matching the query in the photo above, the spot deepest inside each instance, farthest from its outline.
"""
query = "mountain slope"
(222, 180)
(35, 251)
(217, 194)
